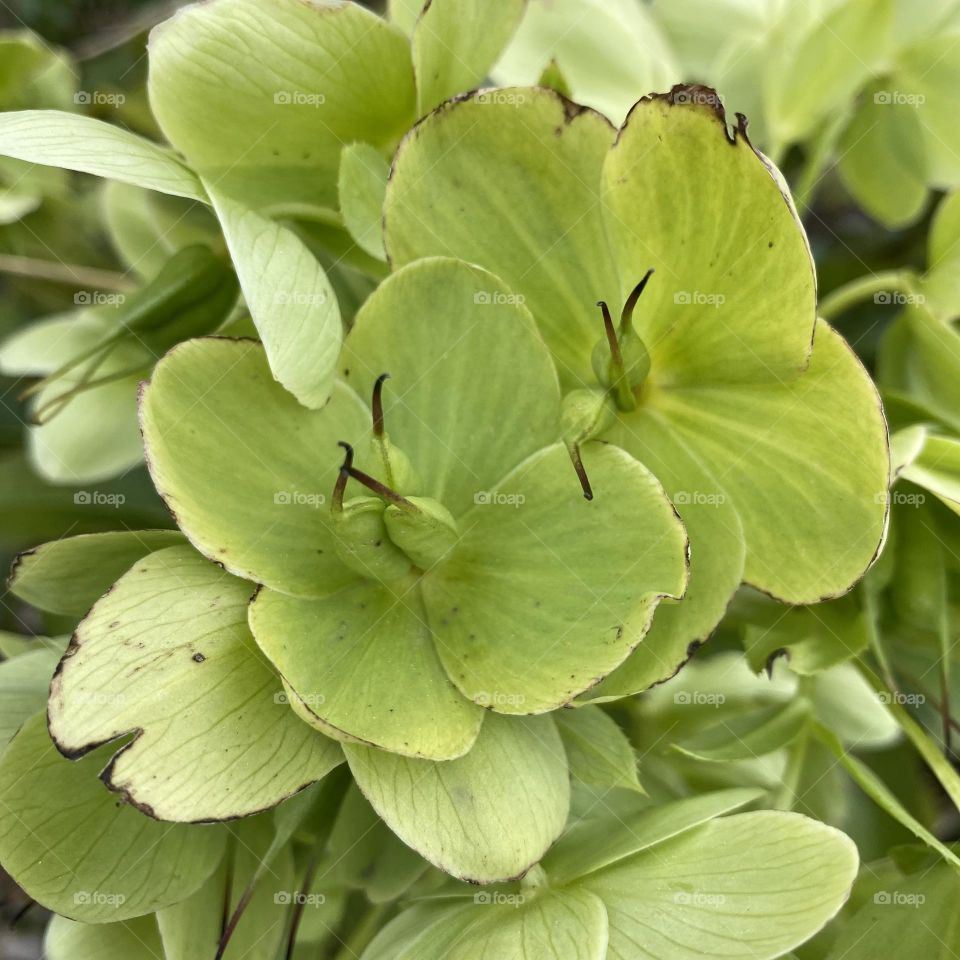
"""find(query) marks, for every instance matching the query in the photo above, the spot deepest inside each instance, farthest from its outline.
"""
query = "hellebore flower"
(774, 453)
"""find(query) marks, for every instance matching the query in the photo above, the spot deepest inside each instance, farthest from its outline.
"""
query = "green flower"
(775, 455)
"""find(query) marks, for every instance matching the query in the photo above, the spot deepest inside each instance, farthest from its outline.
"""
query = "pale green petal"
(213, 404)
(261, 96)
(547, 592)
(364, 172)
(24, 683)
(487, 816)
(167, 654)
(69, 140)
(341, 657)
(598, 751)
(91, 859)
(289, 297)
(747, 887)
(510, 179)
(805, 464)
(133, 940)
(456, 42)
(937, 469)
(69, 575)
(41, 347)
(734, 295)
(473, 390)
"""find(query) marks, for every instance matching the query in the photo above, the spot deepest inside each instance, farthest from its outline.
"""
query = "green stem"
(67, 273)
(864, 288)
(817, 159)
(362, 933)
(786, 796)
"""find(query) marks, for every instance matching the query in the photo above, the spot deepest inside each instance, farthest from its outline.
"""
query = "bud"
(424, 534)
(362, 543)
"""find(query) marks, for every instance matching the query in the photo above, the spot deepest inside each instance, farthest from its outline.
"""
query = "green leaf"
(806, 465)
(213, 404)
(364, 172)
(484, 817)
(751, 886)
(501, 182)
(289, 297)
(272, 132)
(340, 657)
(131, 940)
(24, 682)
(554, 925)
(453, 404)
(749, 736)
(456, 42)
(68, 576)
(93, 859)
(846, 703)
(598, 751)
(937, 469)
(58, 139)
(167, 654)
(594, 843)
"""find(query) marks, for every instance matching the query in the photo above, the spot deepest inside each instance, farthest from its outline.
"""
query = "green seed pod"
(585, 414)
(362, 543)
(424, 534)
(396, 466)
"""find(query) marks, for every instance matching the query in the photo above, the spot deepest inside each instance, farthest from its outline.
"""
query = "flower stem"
(67, 273)
(864, 288)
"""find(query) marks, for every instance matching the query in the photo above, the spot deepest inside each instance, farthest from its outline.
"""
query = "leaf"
(271, 133)
(167, 655)
(749, 736)
(750, 886)
(362, 187)
(845, 703)
(58, 139)
(806, 465)
(130, 940)
(340, 657)
(524, 175)
(24, 682)
(530, 609)
(553, 925)
(484, 817)
(93, 859)
(456, 42)
(937, 469)
(594, 843)
(598, 751)
(717, 552)
(68, 576)
(213, 404)
(289, 297)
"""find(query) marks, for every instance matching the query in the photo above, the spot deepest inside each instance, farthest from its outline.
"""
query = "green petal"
(167, 654)
(937, 469)
(554, 925)
(734, 296)
(24, 683)
(598, 751)
(59, 139)
(213, 404)
(487, 816)
(341, 656)
(91, 859)
(364, 172)
(758, 883)
(511, 181)
(289, 297)
(132, 940)
(68, 576)
(456, 42)
(546, 592)
(473, 389)
(41, 347)
(272, 131)
(805, 464)
(717, 551)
